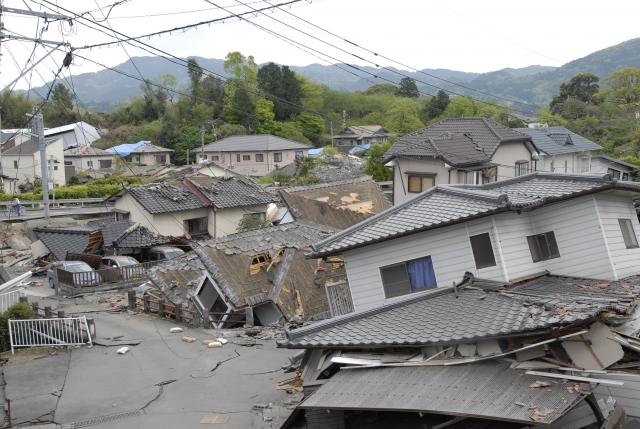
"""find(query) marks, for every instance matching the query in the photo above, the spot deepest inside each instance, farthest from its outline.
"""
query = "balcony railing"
(339, 296)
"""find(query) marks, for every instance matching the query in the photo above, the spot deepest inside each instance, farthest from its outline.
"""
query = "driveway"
(161, 382)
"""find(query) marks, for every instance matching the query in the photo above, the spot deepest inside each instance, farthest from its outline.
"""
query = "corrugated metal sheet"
(485, 390)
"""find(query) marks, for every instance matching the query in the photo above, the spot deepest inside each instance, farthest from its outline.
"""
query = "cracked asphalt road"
(154, 376)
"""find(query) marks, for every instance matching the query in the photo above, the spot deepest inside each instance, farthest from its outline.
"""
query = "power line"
(401, 64)
(178, 12)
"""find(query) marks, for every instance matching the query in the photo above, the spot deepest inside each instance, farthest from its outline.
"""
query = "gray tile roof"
(458, 141)
(553, 140)
(360, 131)
(432, 318)
(138, 236)
(225, 192)
(617, 161)
(254, 143)
(165, 198)
(449, 204)
(620, 296)
(177, 278)
(59, 241)
(86, 151)
(111, 229)
(29, 147)
(487, 390)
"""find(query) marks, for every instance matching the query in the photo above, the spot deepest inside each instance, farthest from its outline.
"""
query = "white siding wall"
(576, 224)
(626, 261)
(401, 179)
(226, 221)
(583, 251)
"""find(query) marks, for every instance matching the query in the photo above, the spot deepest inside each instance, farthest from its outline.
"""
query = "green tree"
(402, 117)
(248, 223)
(408, 88)
(304, 166)
(241, 67)
(545, 116)
(264, 109)
(312, 126)
(169, 82)
(461, 107)
(581, 87)
(195, 74)
(245, 110)
(437, 105)
(13, 108)
(624, 87)
(382, 89)
(282, 88)
(374, 166)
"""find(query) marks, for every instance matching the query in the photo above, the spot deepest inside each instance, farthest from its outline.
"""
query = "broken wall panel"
(601, 353)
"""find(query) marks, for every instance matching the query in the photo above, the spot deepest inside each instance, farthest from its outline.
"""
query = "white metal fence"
(69, 331)
(339, 296)
(7, 299)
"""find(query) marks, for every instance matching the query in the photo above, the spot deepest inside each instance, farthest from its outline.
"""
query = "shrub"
(309, 179)
(19, 311)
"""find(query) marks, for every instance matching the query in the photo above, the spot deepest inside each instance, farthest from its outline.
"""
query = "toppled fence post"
(145, 300)
(60, 314)
(23, 299)
(249, 316)
(47, 312)
(178, 310)
(132, 299)
(34, 306)
(161, 308)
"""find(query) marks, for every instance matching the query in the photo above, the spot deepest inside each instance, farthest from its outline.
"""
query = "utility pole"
(51, 181)
(202, 143)
(332, 134)
(187, 156)
(37, 132)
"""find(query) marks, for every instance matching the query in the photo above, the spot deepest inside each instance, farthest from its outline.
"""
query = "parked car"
(160, 253)
(120, 262)
(74, 267)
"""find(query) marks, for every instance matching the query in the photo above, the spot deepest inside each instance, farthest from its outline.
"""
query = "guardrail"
(68, 282)
(56, 203)
(47, 332)
(7, 299)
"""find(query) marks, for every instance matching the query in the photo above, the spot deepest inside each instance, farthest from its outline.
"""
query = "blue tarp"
(315, 151)
(127, 148)
(358, 148)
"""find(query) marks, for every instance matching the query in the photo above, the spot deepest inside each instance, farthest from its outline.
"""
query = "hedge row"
(99, 188)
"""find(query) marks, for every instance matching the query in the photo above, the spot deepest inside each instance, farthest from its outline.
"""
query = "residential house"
(567, 224)
(339, 205)
(87, 159)
(258, 152)
(72, 135)
(22, 162)
(564, 151)
(457, 150)
(142, 153)
(357, 135)
(196, 206)
(263, 270)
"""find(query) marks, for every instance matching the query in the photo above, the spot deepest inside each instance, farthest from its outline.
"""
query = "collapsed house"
(102, 236)
(527, 354)
(336, 204)
(263, 270)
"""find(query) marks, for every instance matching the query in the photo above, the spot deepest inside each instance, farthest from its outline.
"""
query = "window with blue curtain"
(421, 273)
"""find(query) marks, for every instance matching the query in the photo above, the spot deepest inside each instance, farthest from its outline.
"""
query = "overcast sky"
(466, 35)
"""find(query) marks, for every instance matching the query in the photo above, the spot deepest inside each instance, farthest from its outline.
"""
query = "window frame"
(246, 157)
(628, 233)
(476, 252)
(15, 164)
(106, 163)
(259, 157)
(213, 157)
(421, 178)
(625, 177)
(519, 170)
(614, 173)
(405, 264)
(237, 157)
(543, 251)
(299, 153)
(202, 219)
(277, 157)
(89, 163)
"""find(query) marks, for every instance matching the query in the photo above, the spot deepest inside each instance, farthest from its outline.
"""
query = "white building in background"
(78, 134)
(22, 162)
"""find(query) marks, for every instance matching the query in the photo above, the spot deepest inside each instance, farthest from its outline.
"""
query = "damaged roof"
(458, 141)
(59, 241)
(111, 229)
(337, 204)
(489, 390)
(433, 317)
(449, 204)
(262, 265)
(137, 236)
(225, 192)
(620, 296)
(177, 278)
(163, 197)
